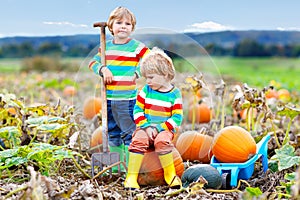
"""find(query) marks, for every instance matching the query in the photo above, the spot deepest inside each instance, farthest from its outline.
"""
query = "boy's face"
(122, 28)
(156, 82)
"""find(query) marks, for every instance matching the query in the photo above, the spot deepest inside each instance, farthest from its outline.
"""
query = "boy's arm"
(144, 51)
(176, 119)
(139, 111)
(95, 65)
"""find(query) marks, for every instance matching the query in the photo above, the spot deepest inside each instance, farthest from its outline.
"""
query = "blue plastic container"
(244, 170)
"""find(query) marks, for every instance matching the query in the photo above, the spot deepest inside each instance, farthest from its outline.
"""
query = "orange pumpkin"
(233, 144)
(96, 140)
(151, 171)
(91, 107)
(272, 94)
(252, 112)
(284, 95)
(69, 91)
(176, 135)
(193, 145)
(202, 113)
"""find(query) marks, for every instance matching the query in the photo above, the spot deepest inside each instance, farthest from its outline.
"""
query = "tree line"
(245, 48)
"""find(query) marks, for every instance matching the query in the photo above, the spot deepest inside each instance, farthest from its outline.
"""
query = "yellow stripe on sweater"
(121, 63)
(120, 87)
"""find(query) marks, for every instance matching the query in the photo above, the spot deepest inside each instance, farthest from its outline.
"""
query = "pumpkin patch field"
(50, 125)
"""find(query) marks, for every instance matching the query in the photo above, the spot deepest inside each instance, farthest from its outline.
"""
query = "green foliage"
(285, 157)
(251, 193)
(46, 63)
(41, 155)
(57, 84)
(47, 128)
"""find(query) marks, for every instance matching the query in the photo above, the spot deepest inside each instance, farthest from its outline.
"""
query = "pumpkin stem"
(203, 131)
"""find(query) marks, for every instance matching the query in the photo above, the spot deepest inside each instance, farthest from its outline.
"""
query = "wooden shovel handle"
(102, 26)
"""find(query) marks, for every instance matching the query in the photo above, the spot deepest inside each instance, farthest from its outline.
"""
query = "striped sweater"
(162, 110)
(123, 61)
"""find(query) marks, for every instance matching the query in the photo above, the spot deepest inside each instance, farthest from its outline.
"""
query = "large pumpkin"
(96, 140)
(91, 107)
(233, 144)
(202, 113)
(176, 136)
(151, 171)
(193, 145)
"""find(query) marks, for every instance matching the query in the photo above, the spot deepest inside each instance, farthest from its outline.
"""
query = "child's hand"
(152, 132)
(107, 75)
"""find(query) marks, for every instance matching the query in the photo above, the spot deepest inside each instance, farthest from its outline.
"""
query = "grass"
(9, 65)
(261, 71)
(257, 72)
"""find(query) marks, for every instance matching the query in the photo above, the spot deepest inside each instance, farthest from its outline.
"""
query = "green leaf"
(15, 161)
(288, 111)
(52, 127)
(7, 153)
(286, 158)
(290, 176)
(12, 134)
(44, 120)
(254, 192)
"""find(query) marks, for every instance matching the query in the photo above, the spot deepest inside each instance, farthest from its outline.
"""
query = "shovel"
(105, 158)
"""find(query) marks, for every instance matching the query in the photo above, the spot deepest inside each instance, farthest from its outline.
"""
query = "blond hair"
(119, 13)
(157, 62)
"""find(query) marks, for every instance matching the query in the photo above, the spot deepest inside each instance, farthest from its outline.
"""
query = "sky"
(70, 17)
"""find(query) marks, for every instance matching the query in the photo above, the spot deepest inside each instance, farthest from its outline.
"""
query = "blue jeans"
(120, 122)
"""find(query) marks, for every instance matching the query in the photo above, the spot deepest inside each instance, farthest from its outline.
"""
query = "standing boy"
(122, 57)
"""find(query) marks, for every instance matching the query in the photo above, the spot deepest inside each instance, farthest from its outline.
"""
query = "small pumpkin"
(193, 145)
(91, 107)
(96, 140)
(211, 175)
(202, 113)
(151, 171)
(233, 144)
(252, 112)
(69, 91)
(284, 95)
(272, 94)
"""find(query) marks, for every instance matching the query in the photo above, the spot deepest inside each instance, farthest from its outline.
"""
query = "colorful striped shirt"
(162, 110)
(123, 61)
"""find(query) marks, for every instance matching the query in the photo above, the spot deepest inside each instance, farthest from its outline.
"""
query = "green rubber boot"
(126, 155)
(120, 150)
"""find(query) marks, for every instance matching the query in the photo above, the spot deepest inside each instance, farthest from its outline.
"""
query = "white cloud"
(288, 29)
(64, 23)
(207, 26)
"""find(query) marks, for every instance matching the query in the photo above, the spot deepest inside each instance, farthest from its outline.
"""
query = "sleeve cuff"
(100, 73)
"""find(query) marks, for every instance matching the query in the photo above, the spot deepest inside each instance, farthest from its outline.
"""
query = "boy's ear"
(166, 76)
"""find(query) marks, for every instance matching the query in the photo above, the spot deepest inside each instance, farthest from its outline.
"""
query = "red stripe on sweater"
(121, 58)
(157, 108)
(141, 118)
(122, 83)
(142, 52)
(177, 106)
(91, 64)
(140, 99)
(170, 127)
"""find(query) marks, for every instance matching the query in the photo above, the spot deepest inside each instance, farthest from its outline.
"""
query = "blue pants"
(120, 122)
